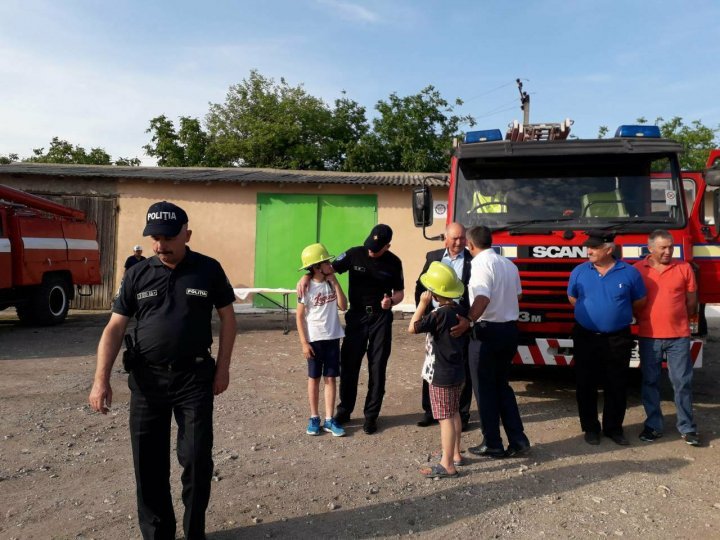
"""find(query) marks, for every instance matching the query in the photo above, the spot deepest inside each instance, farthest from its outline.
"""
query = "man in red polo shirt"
(665, 331)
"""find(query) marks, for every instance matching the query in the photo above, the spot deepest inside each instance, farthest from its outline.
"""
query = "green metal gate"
(288, 223)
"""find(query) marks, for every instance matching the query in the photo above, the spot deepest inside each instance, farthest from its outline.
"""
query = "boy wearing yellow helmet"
(444, 367)
(319, 328)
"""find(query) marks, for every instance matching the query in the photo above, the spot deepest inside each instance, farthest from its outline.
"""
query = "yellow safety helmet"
(314, 254)
(441, 279)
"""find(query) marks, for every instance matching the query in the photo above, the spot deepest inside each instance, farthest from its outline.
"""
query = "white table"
(243, 293)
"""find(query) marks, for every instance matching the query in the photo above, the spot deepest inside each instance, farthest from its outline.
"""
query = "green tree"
(697, 139)
(189, 146)
(412, 133)
(61, 151)
(267, 124)
(7, 160)
(128, 162)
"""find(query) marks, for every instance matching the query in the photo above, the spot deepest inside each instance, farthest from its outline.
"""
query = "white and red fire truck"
(540, 192)
(47, 250)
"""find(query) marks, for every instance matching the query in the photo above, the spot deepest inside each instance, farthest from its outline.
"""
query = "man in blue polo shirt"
(605, 292)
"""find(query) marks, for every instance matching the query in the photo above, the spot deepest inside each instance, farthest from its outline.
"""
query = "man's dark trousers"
(156, 394)
(371, 333)
(491, 350)
(602, 359)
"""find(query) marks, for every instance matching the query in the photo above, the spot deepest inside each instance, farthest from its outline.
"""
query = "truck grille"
(545, 291)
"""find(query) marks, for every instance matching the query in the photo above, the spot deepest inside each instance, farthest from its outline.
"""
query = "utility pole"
(524, 102)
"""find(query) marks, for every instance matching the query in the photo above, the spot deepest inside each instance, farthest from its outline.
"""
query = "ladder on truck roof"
(518, 132)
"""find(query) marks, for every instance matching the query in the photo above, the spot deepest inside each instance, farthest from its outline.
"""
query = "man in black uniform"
(172, 296)
(455, 255)
(375, 285)
(135, 258)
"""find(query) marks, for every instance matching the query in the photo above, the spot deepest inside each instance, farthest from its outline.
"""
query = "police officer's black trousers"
(156, 395)
(602, 359)
(371, 334)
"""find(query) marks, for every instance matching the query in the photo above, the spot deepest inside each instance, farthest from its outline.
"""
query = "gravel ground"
(66, 472)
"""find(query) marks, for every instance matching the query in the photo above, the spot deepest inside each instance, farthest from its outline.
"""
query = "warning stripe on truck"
(546, 352)
(30, 242)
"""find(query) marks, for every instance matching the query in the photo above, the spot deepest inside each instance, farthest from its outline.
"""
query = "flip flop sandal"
(437, 471)
(458, 462)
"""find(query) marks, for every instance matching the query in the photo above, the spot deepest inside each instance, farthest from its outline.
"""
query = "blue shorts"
(326, 362)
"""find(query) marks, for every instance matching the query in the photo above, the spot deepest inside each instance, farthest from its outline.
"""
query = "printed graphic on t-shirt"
(428, 369)
(321, 299)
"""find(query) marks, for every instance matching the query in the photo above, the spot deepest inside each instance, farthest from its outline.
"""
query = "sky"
(94, 72)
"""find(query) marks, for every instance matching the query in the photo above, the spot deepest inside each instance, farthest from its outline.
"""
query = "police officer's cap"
(164, 219)
(379, 237)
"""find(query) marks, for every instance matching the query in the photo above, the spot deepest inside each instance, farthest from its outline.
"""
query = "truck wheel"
(49, 305)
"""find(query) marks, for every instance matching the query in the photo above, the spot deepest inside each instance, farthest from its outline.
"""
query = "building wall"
(222, 217)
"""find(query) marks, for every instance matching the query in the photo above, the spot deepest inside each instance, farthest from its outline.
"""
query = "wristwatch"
(472, 323)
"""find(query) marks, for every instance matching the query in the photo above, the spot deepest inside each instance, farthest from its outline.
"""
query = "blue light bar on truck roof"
(652, 132)
(486, 135)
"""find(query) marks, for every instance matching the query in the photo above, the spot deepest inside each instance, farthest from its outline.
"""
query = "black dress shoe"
(592, 437)
(618, 438)
(517, 451)
(427, 421)
(484, 450)
(370, 426)
(341, 418)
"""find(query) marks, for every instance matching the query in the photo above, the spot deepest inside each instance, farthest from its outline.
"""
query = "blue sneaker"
(331, 426)
(313, 426)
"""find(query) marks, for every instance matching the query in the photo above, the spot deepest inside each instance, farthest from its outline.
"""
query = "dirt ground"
(66, 472)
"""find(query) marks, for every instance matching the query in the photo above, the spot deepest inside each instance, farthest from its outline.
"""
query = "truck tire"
(49, 304)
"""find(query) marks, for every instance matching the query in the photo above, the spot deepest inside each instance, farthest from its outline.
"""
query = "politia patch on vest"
(196, 292)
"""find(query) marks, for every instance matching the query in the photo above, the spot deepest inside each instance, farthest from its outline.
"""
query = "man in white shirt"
(495, 290)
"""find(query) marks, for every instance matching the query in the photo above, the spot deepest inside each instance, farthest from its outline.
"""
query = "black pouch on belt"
(129, 357)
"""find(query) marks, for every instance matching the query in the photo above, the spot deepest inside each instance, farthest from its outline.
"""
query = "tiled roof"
(238, 175)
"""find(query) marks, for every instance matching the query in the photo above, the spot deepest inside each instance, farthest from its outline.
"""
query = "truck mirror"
(712, 175)
(716, 208)
(422, 206)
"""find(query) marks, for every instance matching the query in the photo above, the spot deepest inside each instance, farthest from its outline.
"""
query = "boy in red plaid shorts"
(444, 366)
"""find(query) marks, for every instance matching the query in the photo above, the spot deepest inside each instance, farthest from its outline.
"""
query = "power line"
(494, 89)
(489, 91)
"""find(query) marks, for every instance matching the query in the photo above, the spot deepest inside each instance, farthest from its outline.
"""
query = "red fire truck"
(46, 250)
(540, 192)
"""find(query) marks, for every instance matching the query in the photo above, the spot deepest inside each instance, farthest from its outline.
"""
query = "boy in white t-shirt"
(318, 324)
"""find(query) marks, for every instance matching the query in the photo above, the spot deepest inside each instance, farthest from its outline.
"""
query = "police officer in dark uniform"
(375, 285)
(172, 296)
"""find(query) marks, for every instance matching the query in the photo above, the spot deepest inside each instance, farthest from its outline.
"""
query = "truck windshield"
(569, 192)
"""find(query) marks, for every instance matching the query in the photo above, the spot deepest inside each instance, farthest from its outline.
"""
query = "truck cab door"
(5, 253)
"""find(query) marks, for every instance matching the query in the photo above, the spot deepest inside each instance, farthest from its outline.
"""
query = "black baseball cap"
(164, 219)
(379, 237)
(597, 238)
